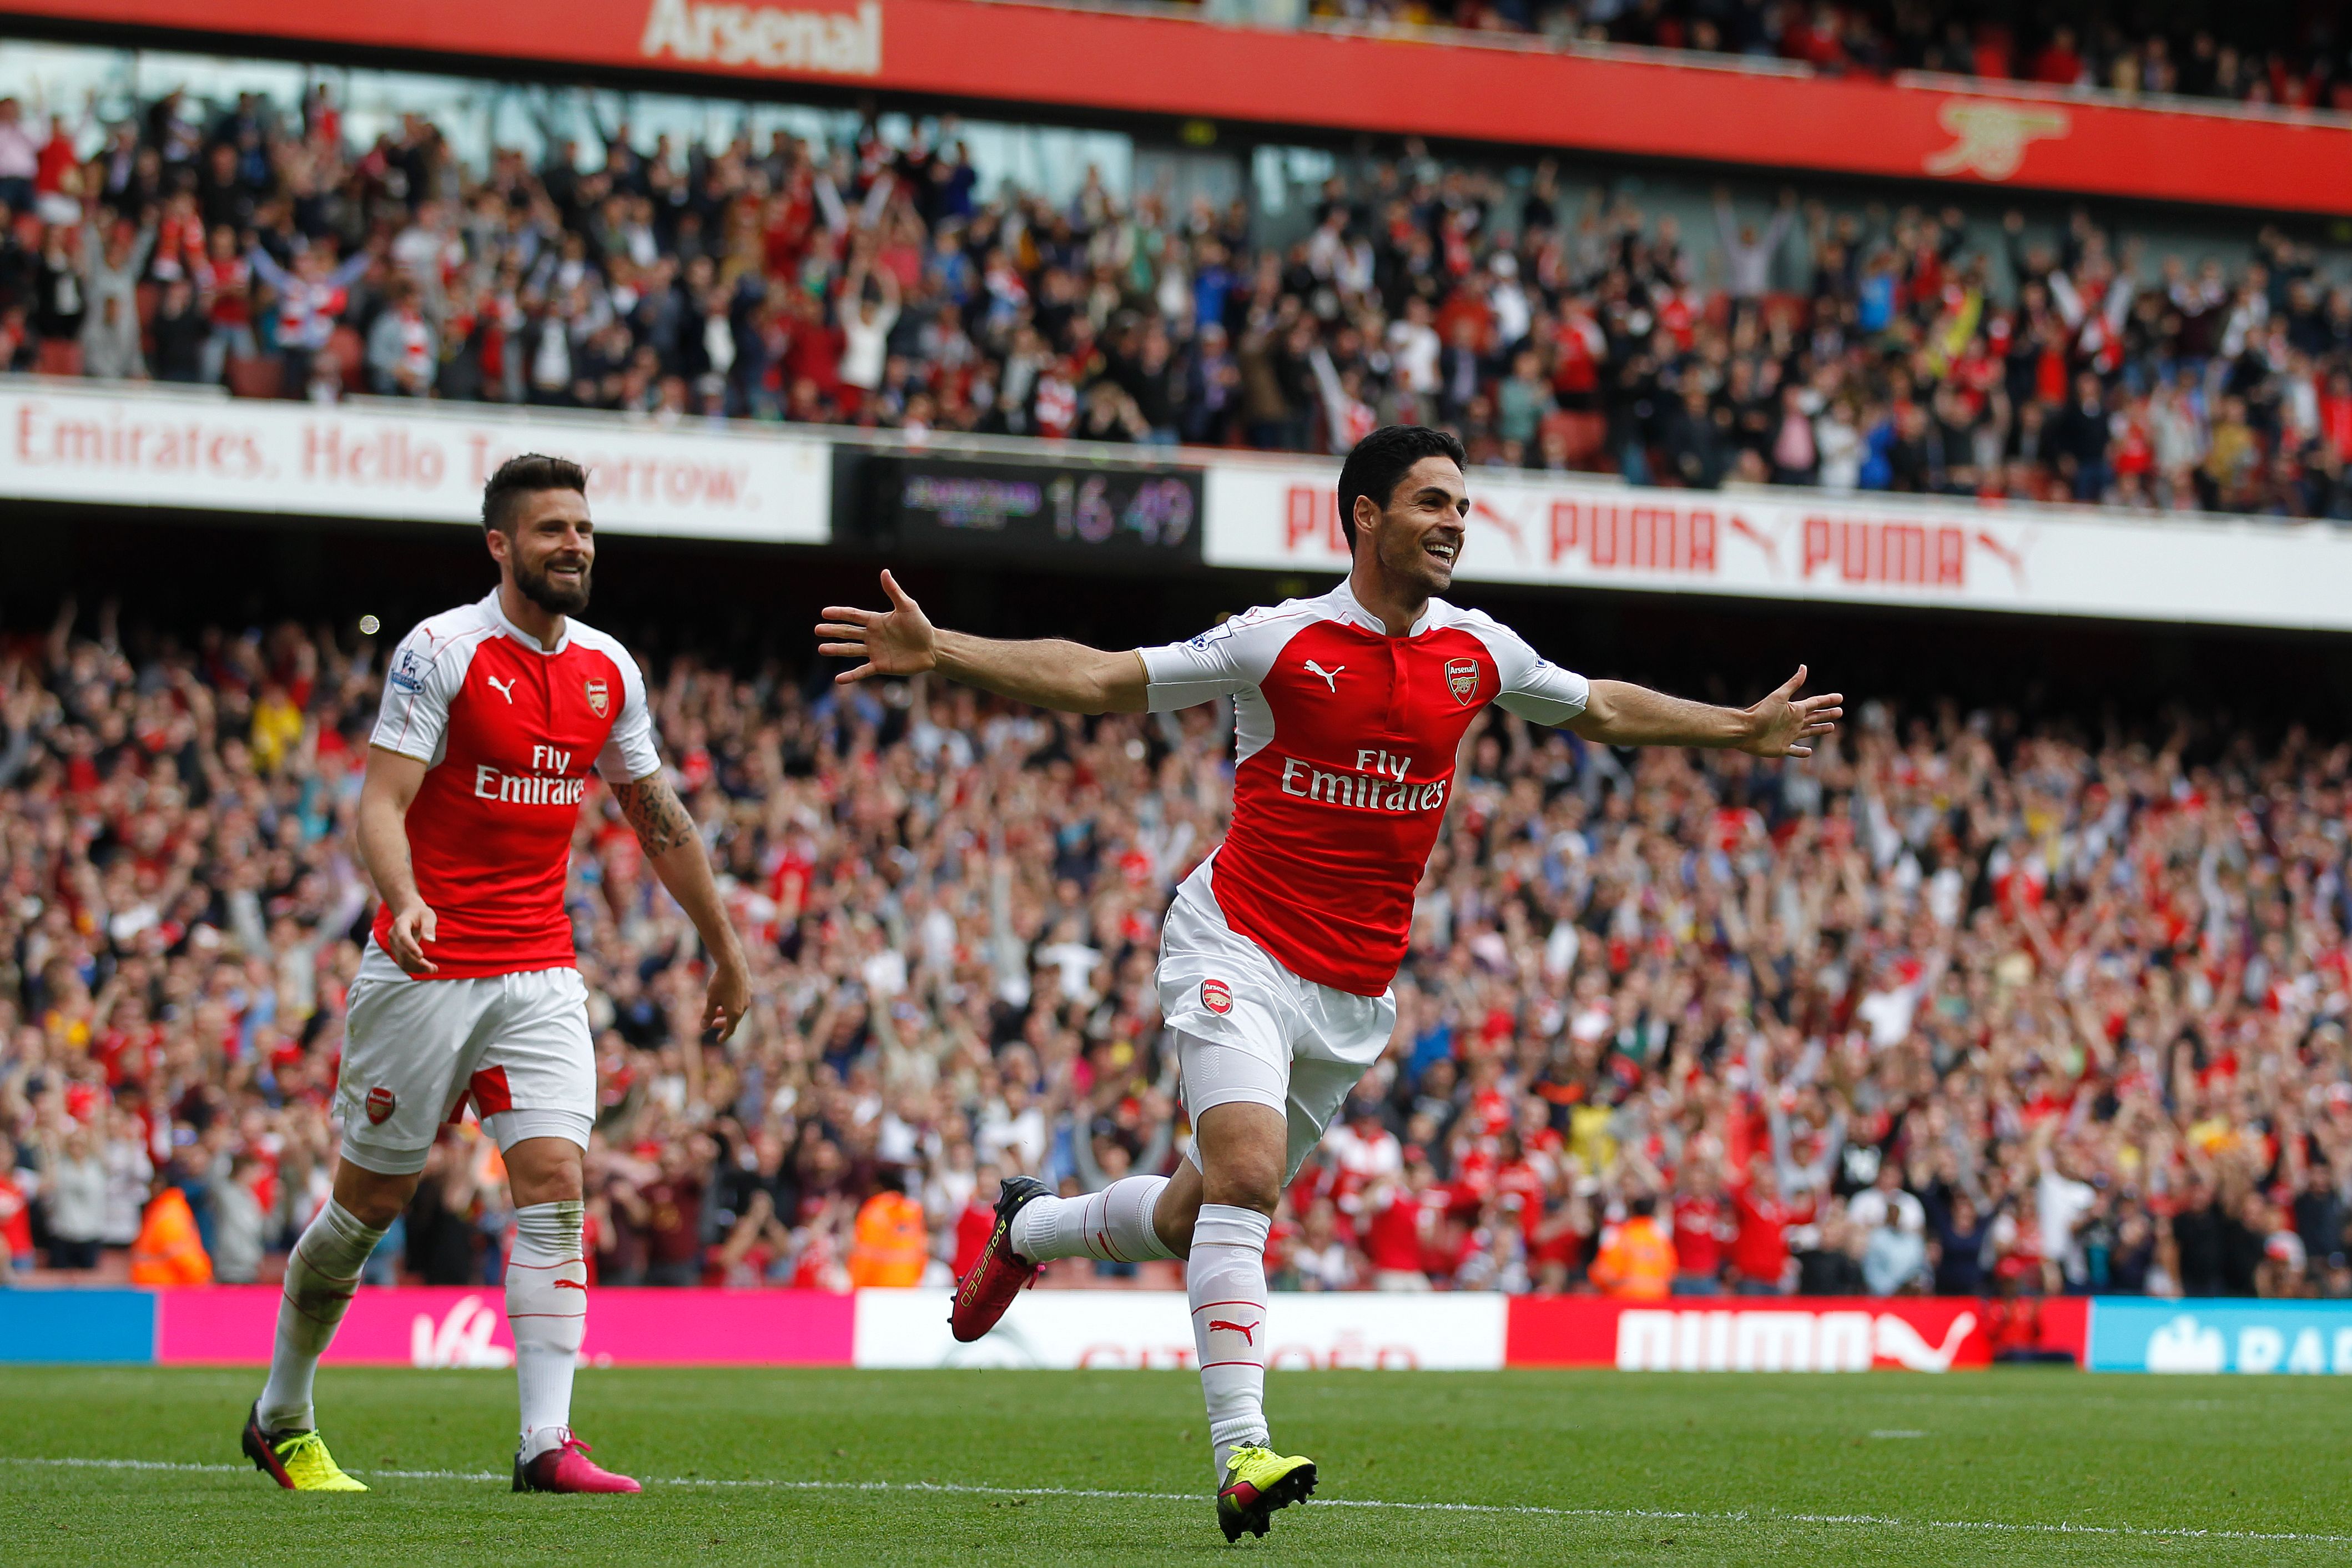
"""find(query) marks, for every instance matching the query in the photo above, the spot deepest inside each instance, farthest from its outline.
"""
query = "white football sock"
(1114, 1225)
(547, 1309)
(1225, 1283)
(321, 1275)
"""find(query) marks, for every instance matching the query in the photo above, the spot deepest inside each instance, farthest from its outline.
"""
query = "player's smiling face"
(552, 551)
(1418, 538)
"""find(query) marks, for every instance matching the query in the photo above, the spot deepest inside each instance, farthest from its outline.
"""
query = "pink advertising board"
(468, 1327)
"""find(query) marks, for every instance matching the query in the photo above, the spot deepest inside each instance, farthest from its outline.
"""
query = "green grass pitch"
(1064, 1468)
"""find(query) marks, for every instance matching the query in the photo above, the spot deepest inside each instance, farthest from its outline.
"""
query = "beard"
(1409, 563)
(543, 591)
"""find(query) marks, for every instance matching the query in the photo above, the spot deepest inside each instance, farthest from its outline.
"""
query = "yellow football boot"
(299, 1461)
(1258, 1481)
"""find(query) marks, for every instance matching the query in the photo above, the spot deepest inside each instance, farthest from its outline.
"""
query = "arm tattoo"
(653, 808)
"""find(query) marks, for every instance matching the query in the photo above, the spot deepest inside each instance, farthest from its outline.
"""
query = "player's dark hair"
(526, 476)
(1382, 460)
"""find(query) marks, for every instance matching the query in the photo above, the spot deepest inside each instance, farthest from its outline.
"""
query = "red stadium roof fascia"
(1645, 104)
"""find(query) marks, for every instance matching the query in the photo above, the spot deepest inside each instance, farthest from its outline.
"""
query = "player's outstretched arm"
(388, 786)
(1782, 724)
(1050, 673)
(667, 833)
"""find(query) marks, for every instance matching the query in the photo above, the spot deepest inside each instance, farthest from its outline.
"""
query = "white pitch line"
(1513, 1510)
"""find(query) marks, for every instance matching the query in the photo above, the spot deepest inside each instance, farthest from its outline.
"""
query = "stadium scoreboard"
(1108, 514)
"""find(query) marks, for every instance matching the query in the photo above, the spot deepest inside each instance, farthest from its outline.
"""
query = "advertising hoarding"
(63, 441)
(1584, 531)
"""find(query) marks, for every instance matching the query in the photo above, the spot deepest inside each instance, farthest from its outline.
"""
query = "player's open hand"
(411, 929)
(1786, 725)
(728, 998)
(895, 641)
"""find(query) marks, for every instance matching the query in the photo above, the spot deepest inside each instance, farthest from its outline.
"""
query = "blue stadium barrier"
(73, 1325)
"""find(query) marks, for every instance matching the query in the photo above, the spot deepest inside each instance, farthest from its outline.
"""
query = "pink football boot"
(567, 1468)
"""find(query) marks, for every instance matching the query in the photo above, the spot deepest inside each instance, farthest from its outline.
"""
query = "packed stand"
(876, 285)
(1961, 1006)
(2209, 52)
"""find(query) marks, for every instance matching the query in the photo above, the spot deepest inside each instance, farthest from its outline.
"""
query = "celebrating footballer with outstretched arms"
(495, 716)
(1277, 953)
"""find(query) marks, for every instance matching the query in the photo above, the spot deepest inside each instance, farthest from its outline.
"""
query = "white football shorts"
(415, 1051)
(1248, 1029)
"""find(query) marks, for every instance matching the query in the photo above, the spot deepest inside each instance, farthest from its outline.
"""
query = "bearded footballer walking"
(495, 716)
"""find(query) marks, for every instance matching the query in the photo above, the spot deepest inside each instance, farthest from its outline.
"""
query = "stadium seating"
(1958, 352)
(2079, 1006)
(1747, 990)
(2230, 56)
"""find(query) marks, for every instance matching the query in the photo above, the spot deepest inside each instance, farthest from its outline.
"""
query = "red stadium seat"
(263, 377)
(59, 356)
(150, 294)
(1588, 436)
(346, 350)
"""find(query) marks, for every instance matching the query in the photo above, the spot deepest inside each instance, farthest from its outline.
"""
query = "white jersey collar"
(1343, 601)
(497, 614)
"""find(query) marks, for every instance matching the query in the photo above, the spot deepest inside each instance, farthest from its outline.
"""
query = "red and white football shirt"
(510, 730)
(1345, 743)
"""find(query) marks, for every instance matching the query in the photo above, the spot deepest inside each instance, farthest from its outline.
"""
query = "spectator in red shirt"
(16, 1228)
(1759, 1249)
(1363, 1150)
(1703, 1228)
(673, 1224)
(1408, 1221)
(978, 1218)
(2057, 63)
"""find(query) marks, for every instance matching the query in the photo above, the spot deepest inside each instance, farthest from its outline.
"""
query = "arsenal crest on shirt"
(597, 695)
(379, 1104)
(1460, 679)
(1216, 995)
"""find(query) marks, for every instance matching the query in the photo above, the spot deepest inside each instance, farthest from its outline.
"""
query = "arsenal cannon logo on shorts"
(1461, 679)
(1217, 997)
(597, 695)
(379, 1104)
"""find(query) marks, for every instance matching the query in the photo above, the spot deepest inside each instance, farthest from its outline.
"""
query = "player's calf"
(547, 1312)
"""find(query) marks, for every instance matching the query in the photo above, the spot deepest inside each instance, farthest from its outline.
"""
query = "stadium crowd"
(1963, 1005)
(880, 284)
(2187, 50)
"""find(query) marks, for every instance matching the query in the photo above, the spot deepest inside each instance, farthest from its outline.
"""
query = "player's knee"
(371, 1197)
(1244, 1179)
(375, 1212)
(544, 1170)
